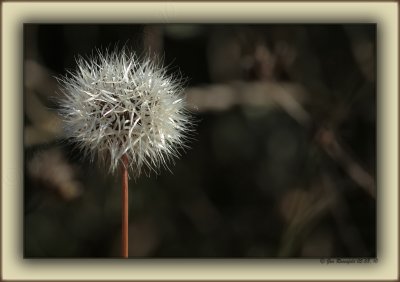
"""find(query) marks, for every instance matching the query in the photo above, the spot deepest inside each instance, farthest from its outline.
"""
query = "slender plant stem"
(125, 208)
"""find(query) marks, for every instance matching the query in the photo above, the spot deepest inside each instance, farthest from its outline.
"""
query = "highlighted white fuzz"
(118, 104)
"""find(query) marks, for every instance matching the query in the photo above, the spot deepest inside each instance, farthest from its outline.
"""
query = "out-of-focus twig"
(290, 98)
(39, 86)
(153, 40)
(329, 142)
(34, 136)
(340, 212)
(220, 97)
(46, 125)
(301, 209)
(39, 79)
(51, 169)
(40, 115)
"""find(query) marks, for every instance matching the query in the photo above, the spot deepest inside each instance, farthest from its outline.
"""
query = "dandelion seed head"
(118, 104)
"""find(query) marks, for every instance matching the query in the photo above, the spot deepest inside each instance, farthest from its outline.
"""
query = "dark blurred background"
(283, 161)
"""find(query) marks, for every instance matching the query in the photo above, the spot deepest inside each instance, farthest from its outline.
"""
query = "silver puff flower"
(118, 104)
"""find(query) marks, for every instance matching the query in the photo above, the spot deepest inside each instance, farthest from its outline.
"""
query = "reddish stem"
(125, 209)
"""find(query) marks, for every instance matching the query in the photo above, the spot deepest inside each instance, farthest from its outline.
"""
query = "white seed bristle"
(117, 103)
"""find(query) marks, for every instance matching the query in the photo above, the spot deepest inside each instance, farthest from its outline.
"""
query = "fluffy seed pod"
(117, 104)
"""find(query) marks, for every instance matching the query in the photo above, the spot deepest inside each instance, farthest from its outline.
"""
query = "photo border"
(15, 14)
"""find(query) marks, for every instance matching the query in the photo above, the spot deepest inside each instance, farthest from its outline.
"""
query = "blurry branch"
(329, 142)
(40, 116)
(153, 41)
(301, 209)
(52, 171)
(363, 47)
(219, 97)
(339, 209)
(46, 125)
(290, 98)
(34, 136)
(48, 168)
(39, 79)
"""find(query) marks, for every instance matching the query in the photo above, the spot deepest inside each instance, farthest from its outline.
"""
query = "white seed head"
(117, 104)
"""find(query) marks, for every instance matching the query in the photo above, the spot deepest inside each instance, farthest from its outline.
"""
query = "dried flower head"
(117, 104)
